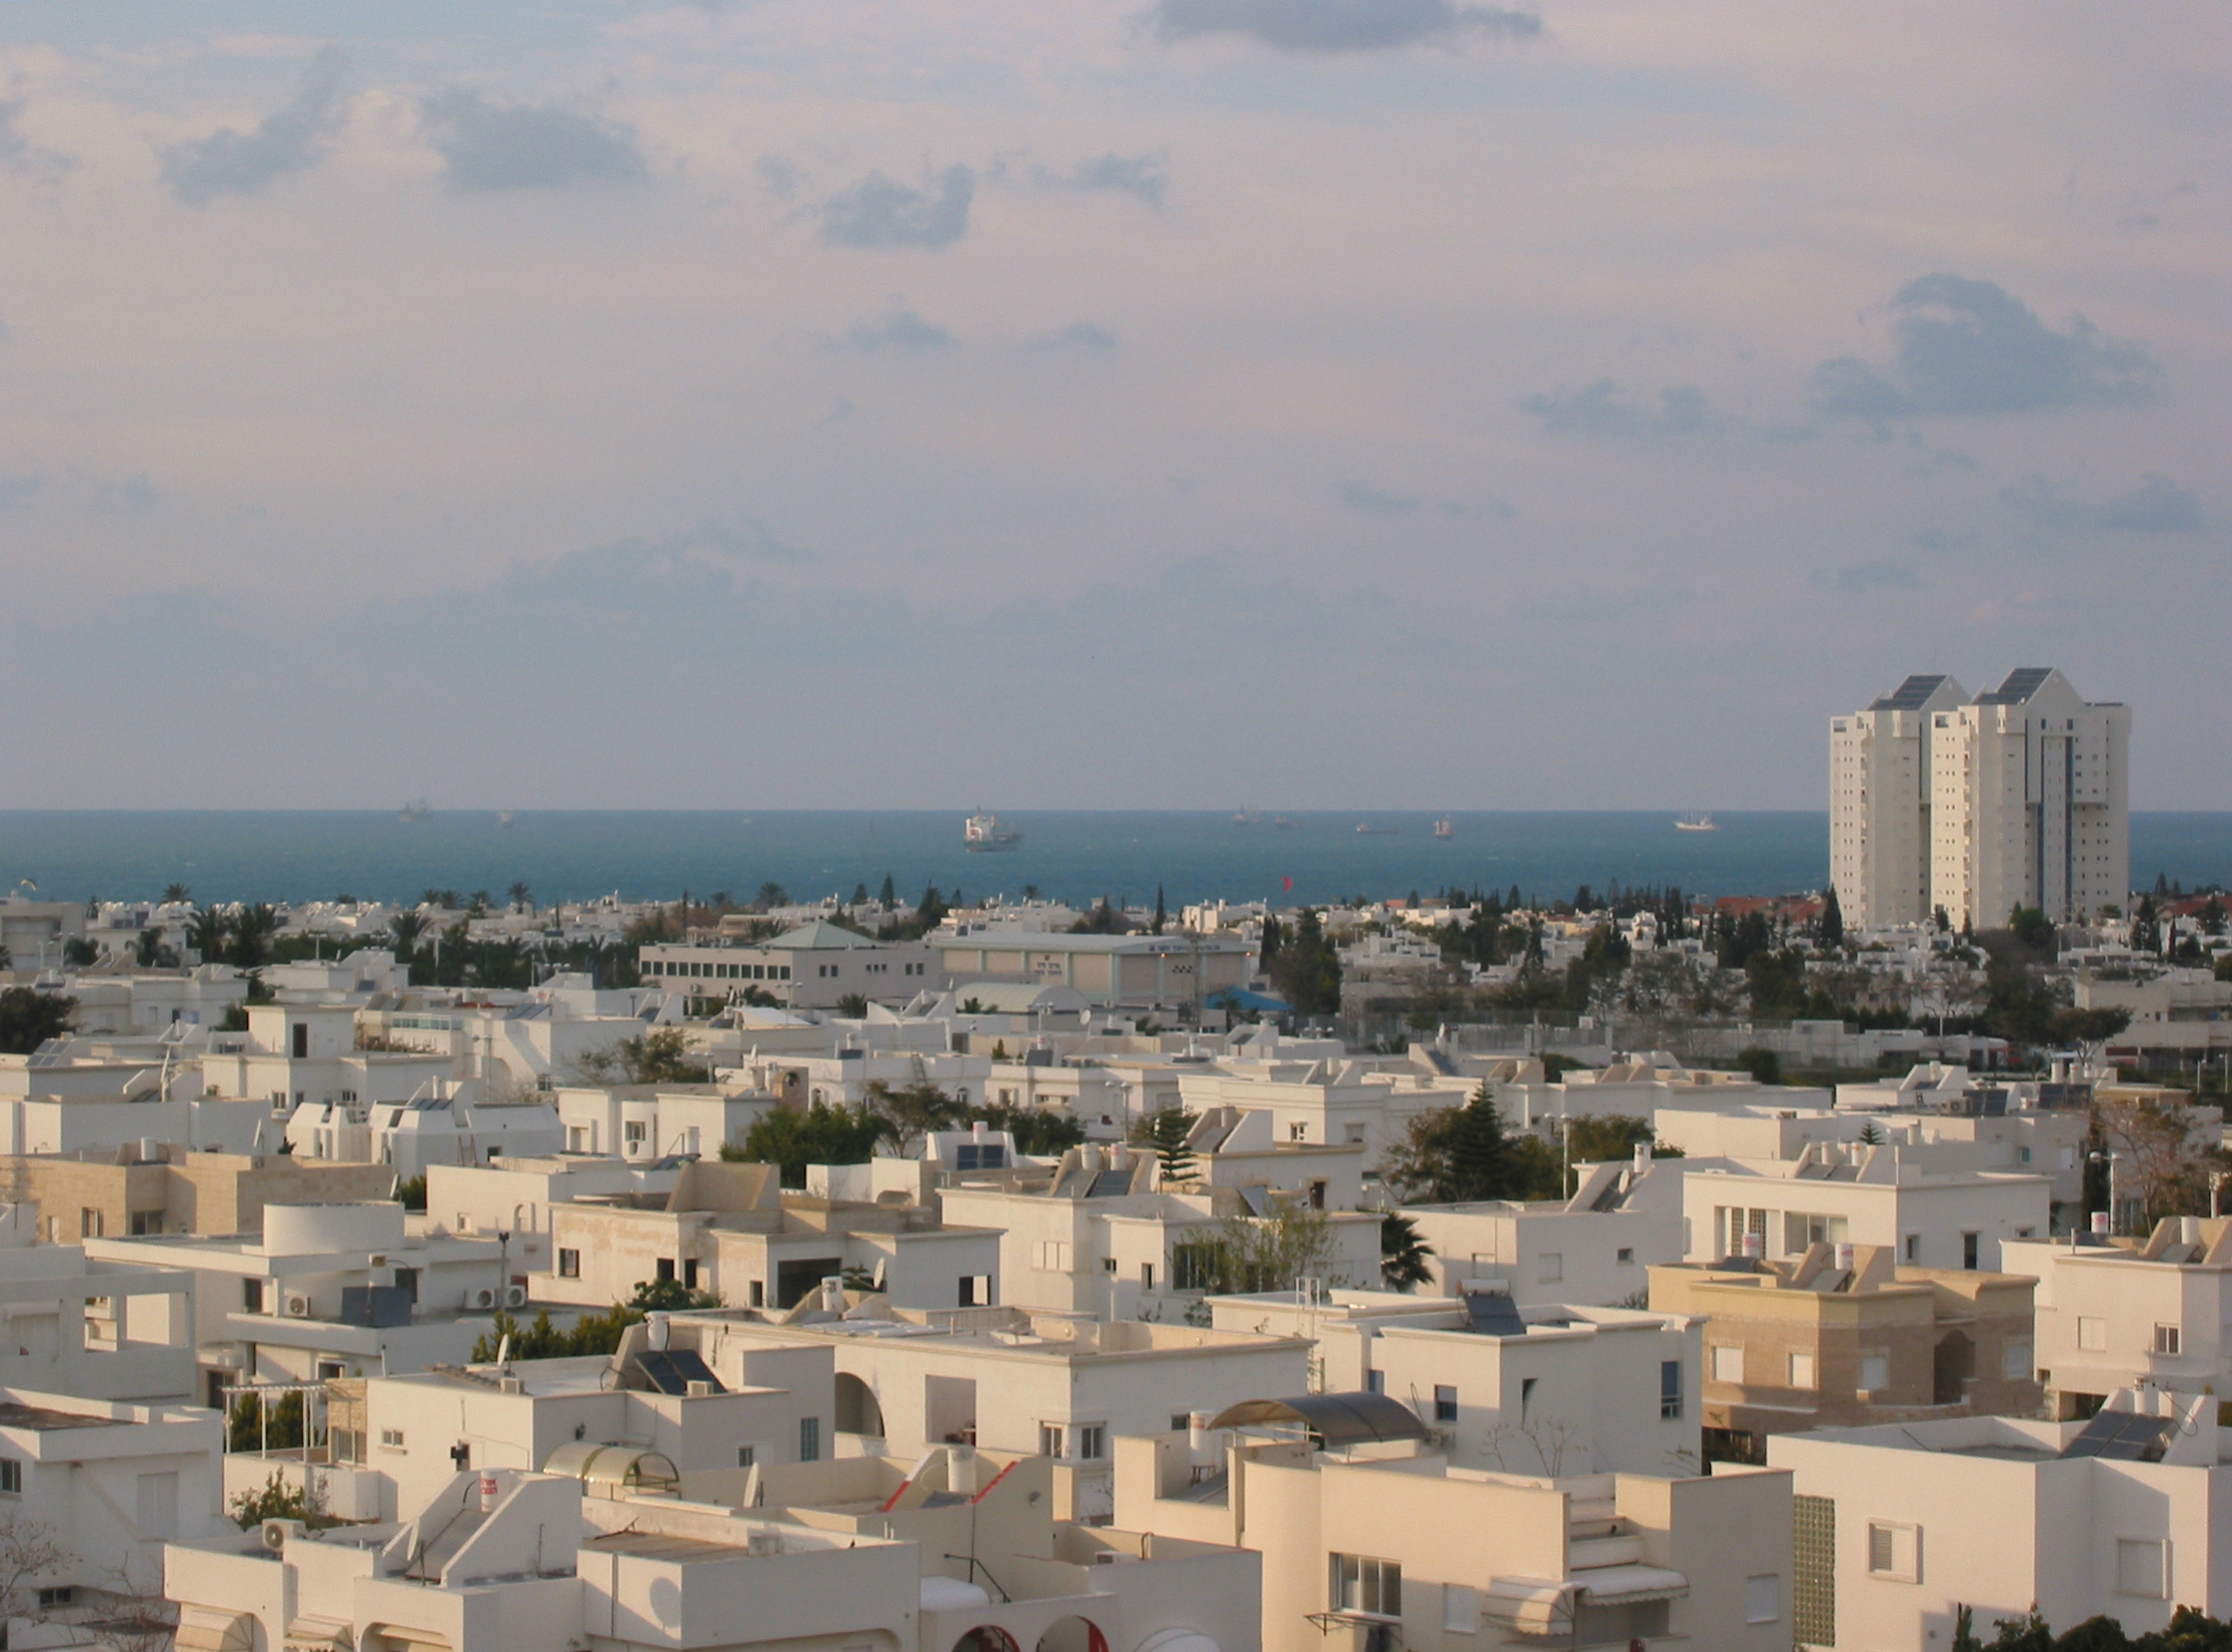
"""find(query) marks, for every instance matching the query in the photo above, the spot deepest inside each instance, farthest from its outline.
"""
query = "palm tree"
(518, 894)
(1402, 1255)
(175, 894)
(206, 931)
(771, 896)
(406, 926)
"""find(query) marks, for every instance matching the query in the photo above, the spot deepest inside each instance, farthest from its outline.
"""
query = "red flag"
(1287, 884)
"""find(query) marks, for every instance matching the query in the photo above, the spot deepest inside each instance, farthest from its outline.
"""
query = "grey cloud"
(881, 212)
(1866, 577)
(19, 487)
(1971, 347)
(1145, 176)
(179, 636)
(2156, 506)
(1339, 25)
(781, 175)
(1599, 410)
(1080, 334)
(239, 163)
(901, 330)
(1377, 502)
(20, 155)
(492, 146)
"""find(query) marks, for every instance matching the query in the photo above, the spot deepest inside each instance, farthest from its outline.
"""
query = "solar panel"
(673, 1370)
(2019, 686)
(1493, 1313)
(1909, 696)
(2123, 1436)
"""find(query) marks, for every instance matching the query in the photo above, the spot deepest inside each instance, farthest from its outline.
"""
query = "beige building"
(814, 967)
(1843, 1338)
(1169, 971)
(1369, 1542)
(132, 1191)
(731, 1230)
(1879, 802)
(1900, 1526)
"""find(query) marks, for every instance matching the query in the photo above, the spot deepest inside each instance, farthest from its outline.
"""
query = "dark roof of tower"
(2022, 684)
(1910, 696)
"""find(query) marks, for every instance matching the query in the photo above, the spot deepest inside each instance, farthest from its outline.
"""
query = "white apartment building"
(2153, 1312)
(2019, 798)
(1594, 1248)
(999, 1378)
(1875, 1195)
(516, 1195)
(1370, 1541)
(448, 1122)
(1900, 1525)
(110, 1483)
(1142, 971)
(644, 1123)
(1541, 1390)
(71, 1324)
(1879, 802)
(330, 1290)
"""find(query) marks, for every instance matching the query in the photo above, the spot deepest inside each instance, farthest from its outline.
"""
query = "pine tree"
(1160, 915)
(1480, 1157)
(890, 897)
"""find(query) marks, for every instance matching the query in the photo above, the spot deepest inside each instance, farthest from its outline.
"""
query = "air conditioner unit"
(515, 1296)
(296, 1306)
(484, 1298)
(275, 1533)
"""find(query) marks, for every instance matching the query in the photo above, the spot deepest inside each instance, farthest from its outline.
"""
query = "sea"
(1072, 856)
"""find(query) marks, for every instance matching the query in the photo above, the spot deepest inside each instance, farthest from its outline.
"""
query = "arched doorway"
(856, 1410)
(986, 1637)
(1073, 1635)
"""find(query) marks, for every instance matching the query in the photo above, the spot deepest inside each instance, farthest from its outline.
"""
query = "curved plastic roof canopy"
(612, 1465)
(1334, 1420)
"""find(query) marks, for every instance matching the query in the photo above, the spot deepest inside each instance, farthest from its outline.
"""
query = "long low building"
(814, 967)
(1136, 972)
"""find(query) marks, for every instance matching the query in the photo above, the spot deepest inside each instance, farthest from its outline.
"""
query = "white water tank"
(949, 1594)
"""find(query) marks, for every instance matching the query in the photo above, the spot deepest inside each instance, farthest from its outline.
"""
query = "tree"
(1833, 921)
(518, 894)
(30, 1552)
(1166, 1132)
(661, 1057)
(1452, 1155)
(670, 1296)
(407, 927)
(771, 896)
(1764, 1066)
(277, 1500)
(2089, 1029)
(852, 1006)
(1305, 967)
(29, 1018)
(888, 897)
(1254, 1254)
(253, 926)
(2032, 927)
(1039, 1131)
(151, 953)
(175, 894)
(205, 934)
(791, 1139)
(1162, 916)
(910, 1112)
(1402, 1253)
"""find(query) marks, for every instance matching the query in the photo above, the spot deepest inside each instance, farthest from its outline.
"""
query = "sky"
(1122, 402)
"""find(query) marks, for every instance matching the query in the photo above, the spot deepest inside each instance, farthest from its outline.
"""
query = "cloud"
(2156, 506)
(294, 139)
(178, 636)
(781, 176)
(1877, 575)
(901, 330)
(1971, 347)
(1359, 495)
(1339, 25)
(20, 155)
(526, 146)
(1597, 606)
(1599, 411)
(1078, 335)
(19, 487)
(1145, 176)
(881, 212)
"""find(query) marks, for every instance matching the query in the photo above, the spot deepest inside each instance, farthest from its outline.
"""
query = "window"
(1444, 1403)
(145, 1222)
(2142, 1567)
(90, 1223)
(1107, 1265)
(1895, 1551)
(1053, 1256)
(1728, 1362)
(1670, 1388)
(810, 1439)
(61, 1595)
(1297, 1132)
(633, 1133)
(1092, 1441)
(1049, 1439)
(11, 1476)
(1801, 1376)
(2092, 1333)
(1376, 1382)
(569, 1264)
(1146, 1275)
(746, 1456)
(1626, 1256)
(1373, 1587)
(1193, 1266)
(1763, 1598)
(1803, 1228)
(1814, 1566)
(2166, 1339)
(391, 1439)
(1549, 1267)
(2014, 1362)
(1970, 1245)
(1461, 1610)
(664, 1267)
(975, 1290)
(252, 1295)
(1911, 1248)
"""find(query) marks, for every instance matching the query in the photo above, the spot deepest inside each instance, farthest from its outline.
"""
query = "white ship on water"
(984, 834)
(1445, 827)
(1696, 823)
(414, 812)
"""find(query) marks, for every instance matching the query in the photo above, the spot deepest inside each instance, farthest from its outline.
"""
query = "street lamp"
(2111, 1159)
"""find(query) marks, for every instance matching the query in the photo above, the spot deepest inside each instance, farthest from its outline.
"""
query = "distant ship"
(1445, 827)
(1367, 830)
(984, 834)
(1284, 825)
(1697, 823)
(1249, 817)
(504, 817)
(411, 813)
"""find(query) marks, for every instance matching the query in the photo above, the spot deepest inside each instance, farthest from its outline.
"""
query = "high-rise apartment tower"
(2018, 797)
